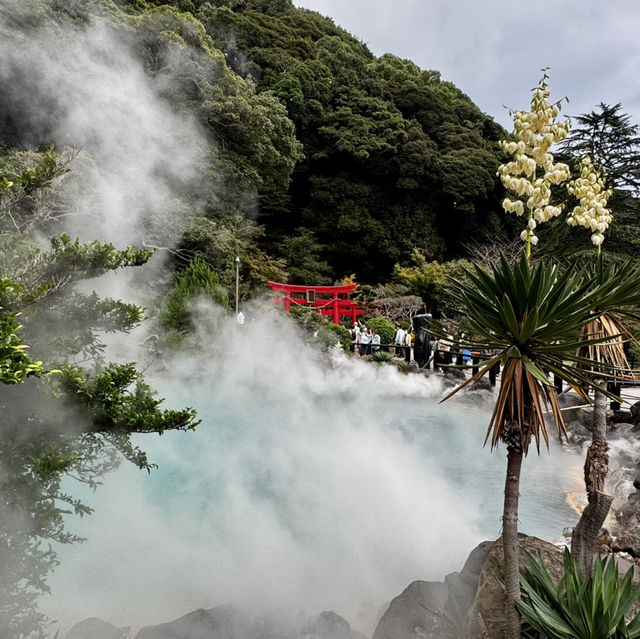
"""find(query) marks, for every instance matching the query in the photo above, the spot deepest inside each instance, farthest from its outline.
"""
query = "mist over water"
(307, 485)
(310, 485)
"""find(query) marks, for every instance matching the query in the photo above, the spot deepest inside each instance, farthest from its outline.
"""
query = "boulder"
(482, 384)
(575, 408)
(462, 586)
(621, 429)
(222, 622)
(434, 609)
(578, 432)
(478, 396)
(455, 375)
(329, 625)
(635, 412)
(621, 416)
(227, 622)
(484, 617)
(628, 516)
(94, 628)
(627, 543)
(417, 611)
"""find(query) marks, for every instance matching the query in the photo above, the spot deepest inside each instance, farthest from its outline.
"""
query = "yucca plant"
(381, 357)
(579, 608)
(531, 316)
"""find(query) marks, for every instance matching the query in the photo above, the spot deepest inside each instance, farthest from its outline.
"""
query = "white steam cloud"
(325, 487)
(84, 88)
(306, 485)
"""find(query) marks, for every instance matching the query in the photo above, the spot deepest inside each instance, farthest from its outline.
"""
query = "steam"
(308, 485)
(84, 88)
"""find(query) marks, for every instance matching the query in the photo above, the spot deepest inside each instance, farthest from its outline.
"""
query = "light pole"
(237, 281)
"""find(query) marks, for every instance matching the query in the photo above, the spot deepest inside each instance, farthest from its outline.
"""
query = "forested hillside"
(173, 138)
(348, 161)
(395, 158)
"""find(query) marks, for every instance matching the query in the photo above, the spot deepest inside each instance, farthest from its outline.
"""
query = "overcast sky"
(493, 50)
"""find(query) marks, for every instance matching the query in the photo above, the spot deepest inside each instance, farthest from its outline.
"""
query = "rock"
(628, 516)
(226, 622)
(95, 628)
(462, 586)
(456, 374)
(621, 416)
(479, 395)
(482, 384)
(580, 410)
(484, 616)
(578, 432)
(635, 412)
(626, 543)
(222, 622)
(418, 609)
(329, 625)
(621, 429)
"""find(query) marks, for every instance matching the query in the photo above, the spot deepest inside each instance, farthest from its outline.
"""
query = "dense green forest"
(323, 161)
(346, 162)
(234, 128)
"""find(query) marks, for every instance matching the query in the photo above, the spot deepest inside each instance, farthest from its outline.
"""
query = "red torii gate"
(326, 300)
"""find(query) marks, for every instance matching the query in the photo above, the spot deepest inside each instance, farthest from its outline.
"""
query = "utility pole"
(237, 282)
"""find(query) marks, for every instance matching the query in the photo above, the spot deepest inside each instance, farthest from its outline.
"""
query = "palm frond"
(541, 320)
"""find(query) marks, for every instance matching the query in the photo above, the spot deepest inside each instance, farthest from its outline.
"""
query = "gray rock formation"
(483, 619)
(462, 586)
(434, 609)
(227, 622)
(95, 628)
(222, 622)
(578, 417)
(418, 609)
(329, 625)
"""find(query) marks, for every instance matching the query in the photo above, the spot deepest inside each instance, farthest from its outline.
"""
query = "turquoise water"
(324, 487)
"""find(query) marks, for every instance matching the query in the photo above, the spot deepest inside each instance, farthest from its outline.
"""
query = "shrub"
(195, 281)
(404, 367)
(383, 327)
(381, 357)
(343, 334)
(304, 314)
(593, 608)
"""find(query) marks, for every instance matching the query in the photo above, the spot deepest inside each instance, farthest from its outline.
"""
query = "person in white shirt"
(398, 339)
(365, 342)
(375, 342)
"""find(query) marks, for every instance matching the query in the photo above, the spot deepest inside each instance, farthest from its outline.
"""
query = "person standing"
(355, 337)
(375, 341)
(365, 342)
(434, 357)
(398, 339)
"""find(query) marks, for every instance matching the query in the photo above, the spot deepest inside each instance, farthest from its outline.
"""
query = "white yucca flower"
(532, 171)
(591, 212)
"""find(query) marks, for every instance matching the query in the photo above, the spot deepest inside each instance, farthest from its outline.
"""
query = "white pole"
(237, 281)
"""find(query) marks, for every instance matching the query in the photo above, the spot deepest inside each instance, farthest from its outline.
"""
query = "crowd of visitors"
(365, 340)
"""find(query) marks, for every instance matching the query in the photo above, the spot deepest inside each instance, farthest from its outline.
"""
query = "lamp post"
(237, 281)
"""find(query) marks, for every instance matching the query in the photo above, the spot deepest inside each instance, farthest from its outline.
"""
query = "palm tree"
(532, 316)
(618, 300)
